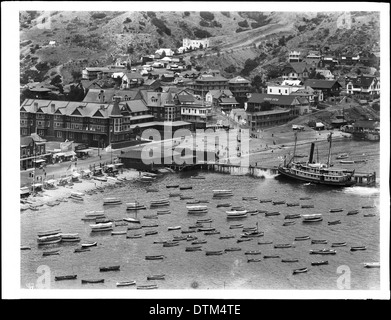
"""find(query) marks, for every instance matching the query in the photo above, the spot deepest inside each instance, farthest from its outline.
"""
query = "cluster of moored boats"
(191, 233)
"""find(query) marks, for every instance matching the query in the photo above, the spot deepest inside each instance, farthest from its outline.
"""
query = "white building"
(294, 56)
(287, 87)
(326, 73)
(187, 43)
(168, 52)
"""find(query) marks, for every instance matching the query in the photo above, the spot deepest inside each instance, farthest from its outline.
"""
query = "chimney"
(35, 106)
(53, 108)
(117, 100)
(311, 153)
(101, 96)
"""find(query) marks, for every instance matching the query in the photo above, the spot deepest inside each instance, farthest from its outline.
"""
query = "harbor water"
(231, 270)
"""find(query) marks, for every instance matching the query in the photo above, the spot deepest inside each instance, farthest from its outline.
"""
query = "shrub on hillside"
(243, 24)
(200, 34)
(207, 15)
(186, 13)
(161, 26)
(249, 65)
(226, 13)
(230, 69)
(216, 24)
(127, 20)
(98, 15)
(204, 23)
(151, 14)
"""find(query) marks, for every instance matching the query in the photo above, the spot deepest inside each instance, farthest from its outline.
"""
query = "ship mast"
(294, 149)
(329, 156)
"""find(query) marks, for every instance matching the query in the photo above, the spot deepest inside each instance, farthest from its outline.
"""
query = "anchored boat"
(316, 172)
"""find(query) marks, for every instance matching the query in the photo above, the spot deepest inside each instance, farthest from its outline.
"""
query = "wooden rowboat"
(301, 270)
(67, 277)
(93, 281)
(110, 268)
(125, 283)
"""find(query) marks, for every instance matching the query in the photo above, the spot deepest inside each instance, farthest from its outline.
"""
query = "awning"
(75, 175)
(84, 150)
(69, 153)
(24, 190)
(39, 161)
(51, 181)
(87, 171)
(37, 185)
(60, 154)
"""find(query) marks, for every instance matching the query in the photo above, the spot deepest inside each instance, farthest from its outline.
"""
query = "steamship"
(316, 172)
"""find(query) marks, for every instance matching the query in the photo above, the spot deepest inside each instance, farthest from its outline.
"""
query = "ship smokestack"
(311, 152)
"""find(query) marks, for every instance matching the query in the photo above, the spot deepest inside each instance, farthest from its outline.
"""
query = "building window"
(59, 134)
(84, 136)
(95, 137)
(24, 131)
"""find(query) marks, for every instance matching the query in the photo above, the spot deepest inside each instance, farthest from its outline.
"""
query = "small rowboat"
(49, 232)
(236, 226)
(253, 212)
(305, 198)
(208, 220)
(82, 250)
(171, 244)
(202, 229)
(236, 214)
(100, 226)
(278, 202)
(174, 194)
(232, 249)
(182, 197)
(161, 212)
(91, 244)
(146, 287)
(191, 237)
(367, 207)
(254, 260)
(339, 244)
(67, 277)
(197, 225)
(290, 260)
(336, 210)
(214, 253)
(252, 234)
(117, 233)
(318, 241)
(94, 213)
(50, 253)
(359, 248)
(269, 214)
(265, 242)
(172, 186)
(288, 223)
(120, 224)
(174, 228)
(227, 236)
(111, 201)
(135, 206)
(197, 209)
(283, 246)
(70, 237)
(160, 203)
(193, 202)
(156, 277)
(244, 240)
(180, 238)
(301, 238)
(185, 188)
(197, 177)
(25, 248)
(111, 268)
(93, 281)
(271, 256)
(253, 252)
(199, 241)
(249, 198)
(301, 270)
(151, 216)
(208, 233)
(188, 231)
(307, 206)
(150, 233)
(150, 225)
(352, 212)
(152, 190)
(292, 216)
(293, 204)
(223, 205)
(372, 265)
(323, 251)
(370, 215)
(222, 193)
(319, 263)
(330, 223)
(132, 220)
(346, 162)
(125, 283)
(312, 217)
(134, 236)
(154, 257)
(196, 248)
(265, 200)
(343, 156)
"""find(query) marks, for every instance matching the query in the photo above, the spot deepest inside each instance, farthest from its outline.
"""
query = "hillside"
(96, 38)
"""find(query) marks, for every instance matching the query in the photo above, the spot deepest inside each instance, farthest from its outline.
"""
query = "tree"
(163, 54)
(319, 76)
(201, 46)
(257, 82)
(281, 41)
(76, 75)
(56, 80)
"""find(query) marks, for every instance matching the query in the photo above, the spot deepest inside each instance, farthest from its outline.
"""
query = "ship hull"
(328, 183)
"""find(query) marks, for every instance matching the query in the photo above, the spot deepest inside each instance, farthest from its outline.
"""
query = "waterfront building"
(187, 43)
(206, 82)
(240, 88)
(32, 151)
(294, 56)
(96, 124)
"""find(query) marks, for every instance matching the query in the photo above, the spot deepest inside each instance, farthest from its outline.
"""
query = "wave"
(364, 191)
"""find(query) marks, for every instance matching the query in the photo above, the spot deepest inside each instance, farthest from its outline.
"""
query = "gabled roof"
(238, 79)
(183, 98)
(133, 75)
(136, 106)
(228, 100)
(208, 77)
(321, 84)
(216, 94)
(363, 80)
(26, 141)
(286, 100)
